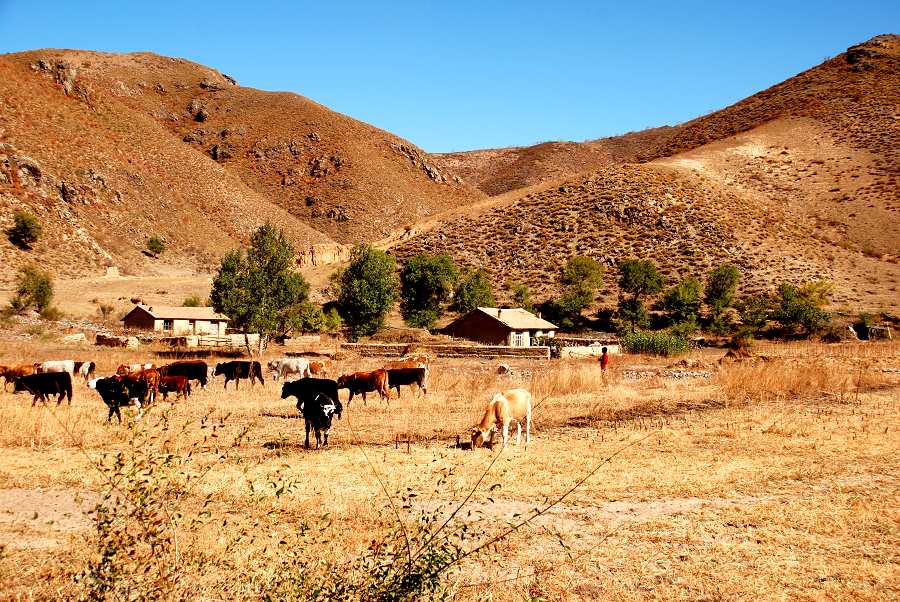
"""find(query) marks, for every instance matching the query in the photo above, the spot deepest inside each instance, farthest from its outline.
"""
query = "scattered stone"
(77, 337)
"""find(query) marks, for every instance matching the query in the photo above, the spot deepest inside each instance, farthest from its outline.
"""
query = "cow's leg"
(140, 410)
(118, 414)
(505, 434)
(528, 425)
(112, 410)
(59, 398)
(306, 443)
(518, 432)
(318, 438)
(364, 397)
(326, 436)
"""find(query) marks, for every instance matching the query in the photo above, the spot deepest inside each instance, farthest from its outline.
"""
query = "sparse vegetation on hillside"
(259, 290)
(25, 231)
(366, 290)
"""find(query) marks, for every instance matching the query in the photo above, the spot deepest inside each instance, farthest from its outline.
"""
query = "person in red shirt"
(604, 362)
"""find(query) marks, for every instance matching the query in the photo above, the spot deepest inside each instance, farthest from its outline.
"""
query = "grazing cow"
(418, 359)
(290, 365)
(318, 367)
(85, 370)
(11, 373)
(408, 376)
(56, 366)
(239, 369)
(149, 377)
(318, 403)
(365, 382)
(509, 405)
(115, 393)
(190, 369)
(129, 368)
(179, 385)
(43, 384)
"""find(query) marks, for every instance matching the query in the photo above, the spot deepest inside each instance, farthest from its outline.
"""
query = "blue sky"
(465, 75)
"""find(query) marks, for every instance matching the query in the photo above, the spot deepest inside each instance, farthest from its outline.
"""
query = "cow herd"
(317, 395)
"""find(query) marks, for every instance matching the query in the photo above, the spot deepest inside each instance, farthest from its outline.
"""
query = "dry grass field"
(770, 480)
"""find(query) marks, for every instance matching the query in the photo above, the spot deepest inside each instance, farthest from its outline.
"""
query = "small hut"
(176, 320)
(515, 327)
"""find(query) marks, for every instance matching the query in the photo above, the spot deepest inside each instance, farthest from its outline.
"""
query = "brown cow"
(130, 368)
(11, 373)
(149, 377)
(364, 382)
(319, 368)
(179, 385)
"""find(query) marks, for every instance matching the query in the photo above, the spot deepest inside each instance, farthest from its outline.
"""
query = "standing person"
(604, 362)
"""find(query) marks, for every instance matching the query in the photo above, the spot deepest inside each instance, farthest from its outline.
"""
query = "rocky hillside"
(684, 221)
(110, 149)
(854, 96)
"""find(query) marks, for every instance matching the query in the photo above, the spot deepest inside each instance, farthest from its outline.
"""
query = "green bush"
(638, 278)
(156, 245)
(720, 289)
(426, 284)
(654, 343)
(685, 329)
(755, 310)
(193, 301)
(34, 288)
(25, 231)
(521, 296)
(800, 308)
(474, 290)
(682, 302)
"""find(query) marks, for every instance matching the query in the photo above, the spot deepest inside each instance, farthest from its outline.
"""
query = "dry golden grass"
(790, 493)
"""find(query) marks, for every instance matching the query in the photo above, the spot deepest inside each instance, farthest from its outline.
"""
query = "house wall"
(476, 326)
(139, 320)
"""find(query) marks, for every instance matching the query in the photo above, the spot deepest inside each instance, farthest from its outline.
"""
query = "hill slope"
(108, 149)
(855, 97)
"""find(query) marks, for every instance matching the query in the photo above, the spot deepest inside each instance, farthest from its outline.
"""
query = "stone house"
(176, 320)
(514, 327)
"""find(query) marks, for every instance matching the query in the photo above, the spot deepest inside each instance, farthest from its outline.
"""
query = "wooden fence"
(481, 351)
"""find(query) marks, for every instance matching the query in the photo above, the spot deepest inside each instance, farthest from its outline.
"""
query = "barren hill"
(854, 96)
(108, 149)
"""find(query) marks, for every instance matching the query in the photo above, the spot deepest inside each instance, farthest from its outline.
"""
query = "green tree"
(156, 245)
(721, 286)
(682, 302)
(637, 278)
(426, 284)
(34, 288)
(755, 310)
(259, 291)
(25, 231)
(800, 308)
(194, 300)
(580, 278)
(521, 296)
(473, 290)
(366, 290)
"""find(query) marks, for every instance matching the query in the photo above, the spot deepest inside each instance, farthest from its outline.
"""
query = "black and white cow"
(318, 402)
(119, 392)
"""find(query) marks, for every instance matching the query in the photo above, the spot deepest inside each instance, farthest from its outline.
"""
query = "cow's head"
(19, 386)
(482, 438)
(343, 381)
(220, 369)
(286, 390)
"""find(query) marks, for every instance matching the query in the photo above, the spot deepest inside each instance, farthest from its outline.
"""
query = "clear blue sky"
(463, 75)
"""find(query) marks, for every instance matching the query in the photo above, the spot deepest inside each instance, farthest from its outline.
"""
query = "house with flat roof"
(515, 327)
(176, 320)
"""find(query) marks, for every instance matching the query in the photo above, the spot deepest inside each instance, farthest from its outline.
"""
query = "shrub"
(755, 311)
(366, 290)
(105, 309)
(799, 308)
(521, 296)
(52, 313)
(637, 278)
(426, 284)
(685, 329)
(474, 290)
(654, 343)
(582, 272)
(720, 289)
(682, 302)
(333, 320)
(34, 288)
(25, 231)
(580, 278)
(156, 245)
(193, 301)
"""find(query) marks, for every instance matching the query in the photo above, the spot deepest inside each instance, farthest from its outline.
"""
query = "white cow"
(58, 366)
(505, 407)
(290, 365)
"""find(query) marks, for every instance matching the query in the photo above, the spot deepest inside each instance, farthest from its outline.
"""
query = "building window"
(168, 324)
(519, 339)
